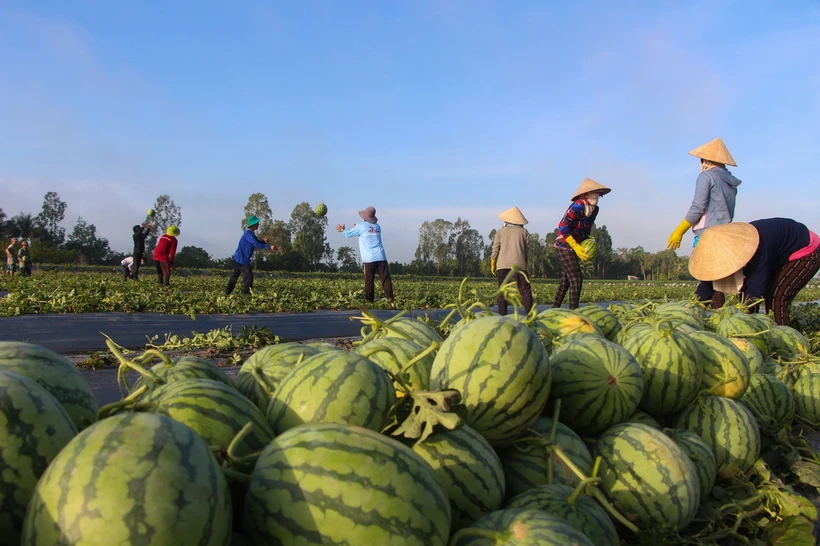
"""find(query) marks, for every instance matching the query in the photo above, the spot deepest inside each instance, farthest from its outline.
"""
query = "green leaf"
(416, 415)
(792, 531)
(807, 472)
(787, 504)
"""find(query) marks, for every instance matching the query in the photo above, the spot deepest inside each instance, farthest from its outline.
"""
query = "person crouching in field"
(510, 247)
(374, 259)
(24, 258)
(573, 229)
(164, 254)
(11, 258)
(129, 265)
(771, 259)
(243, 257)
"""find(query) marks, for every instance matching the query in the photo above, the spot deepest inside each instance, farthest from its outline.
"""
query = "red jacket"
(165, 249)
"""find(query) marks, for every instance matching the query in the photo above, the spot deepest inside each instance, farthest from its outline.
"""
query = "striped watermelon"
(565, 324)
(520, 527)
(603, 318)
(329, 483)
(728, 428)
(806, 392)
(599, 383)
(753, 357)
(134, 478)
(502, 371)
(417, 376)
(788, 343)
(672, 371)
(526, 462)
(770, 400)
(584, 513)
(469, 470)
(55, 374)
(264, 370)
(644, 418)
(332, 387)
(725, 368)
(647, 476)
(34, 427)
(746, 326)
(679, 313)
(323, 346)
(183, 367)
(771, 367)
(701, 456)
(626, 311)
(412, 329)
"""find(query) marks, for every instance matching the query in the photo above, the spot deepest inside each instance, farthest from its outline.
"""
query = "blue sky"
(423, 109)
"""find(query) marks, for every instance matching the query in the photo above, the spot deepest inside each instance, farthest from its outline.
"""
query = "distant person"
(11, 258)
(374, 259)
(127, 266)
(510, 247)
(164, 254)
(573, 229)
(243, 257)
(771, 259)
(713, 204)
(140, 234)
(24, 259)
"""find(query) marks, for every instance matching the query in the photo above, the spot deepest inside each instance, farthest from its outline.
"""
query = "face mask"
(731, 284)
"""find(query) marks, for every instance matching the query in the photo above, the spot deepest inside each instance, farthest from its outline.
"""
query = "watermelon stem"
(230, 452)
(474, 532)
(125, 364)
(581, 487)
(259, 377)
(397, 377)
(114, 407)
(236, 476)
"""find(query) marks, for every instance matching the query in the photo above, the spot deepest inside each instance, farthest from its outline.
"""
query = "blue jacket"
(247, 244)
(370, 241)
(714, 201)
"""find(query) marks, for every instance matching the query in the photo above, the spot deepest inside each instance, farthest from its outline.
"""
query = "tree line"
(444, 248)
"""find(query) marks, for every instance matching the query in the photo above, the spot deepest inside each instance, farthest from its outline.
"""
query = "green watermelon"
(520, 527)
(701, 456)
(134, 478)
(264, 370)
(412, 329)
(725, 368)
(469, 470)
(603, 318)
(565, 324)
(324, 346)
(330, 483)
(647, 476)
(671, 366)
(183, 367)
(34, 427)
(806, 392)
(526, 461)
(335, 386)
(55, 374)
(770, 400)
(321, 209)
(753, 357)
(599, 383)
(746, 326)
(679, 313)
(788, 343)
(502, 371)
(417, 377)
(590, 246)
(728, 428)
(644, 418)
(584, 513)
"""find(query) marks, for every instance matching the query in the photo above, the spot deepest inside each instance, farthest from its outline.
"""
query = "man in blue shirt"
(243, 256)
(373, 257)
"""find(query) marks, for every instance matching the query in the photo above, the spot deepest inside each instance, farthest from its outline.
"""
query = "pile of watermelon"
(562, 427)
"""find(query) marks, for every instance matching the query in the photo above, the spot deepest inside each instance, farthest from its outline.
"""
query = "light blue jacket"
(714, 201)
(370, 241)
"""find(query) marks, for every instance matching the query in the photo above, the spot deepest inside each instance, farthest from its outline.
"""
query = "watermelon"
(34, 427)
(647, 476)
(753, 357)
(746, 326)
(520, 527)
(469, 470)
(417, 377)
(643, 417)
(771, 367)
(671, 366)
(412, 329)
(151, 213)
(679, 313)
(264, 370)
(320, 210)
(626, 311)
(134, 478)
(590, 246)
(335, 386)
(788, 343)
(599, 383)
(55, 374)
(331, 483)
(526, 461)
(584, 513)
(502, 371)
(701, 456)
(323, 346)
(603, 318)
(806, 392)
(770, 400)
(182, 367)
(728, 428)
(566, 324)
(725, 368)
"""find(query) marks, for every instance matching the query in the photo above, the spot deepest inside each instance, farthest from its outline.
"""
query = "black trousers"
(135, 267)
(247, 278)
(370, 270)
(524, 288)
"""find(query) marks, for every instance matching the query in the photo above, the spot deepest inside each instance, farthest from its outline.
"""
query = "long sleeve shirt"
(166, 249)
(23, 257)
(370, 241)
(510, 246)
(714, 201)
(247, 244)
(139, 240)
(779, 239)
(575, 223)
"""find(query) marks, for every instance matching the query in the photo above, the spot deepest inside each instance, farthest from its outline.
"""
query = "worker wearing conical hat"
(713, 204)
(771, 259)
(573, 229)
(510, 246)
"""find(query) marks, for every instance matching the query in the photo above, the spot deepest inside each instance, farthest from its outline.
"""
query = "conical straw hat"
(589, 185)
(714, 151)
(513, 216)
(722, 250)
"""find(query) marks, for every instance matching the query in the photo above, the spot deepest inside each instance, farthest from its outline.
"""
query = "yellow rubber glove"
(579, 250)
(677, 235)
(492, 267)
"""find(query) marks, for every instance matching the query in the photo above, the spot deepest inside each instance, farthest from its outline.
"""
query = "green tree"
(466, 246)
(47, 222)
(167, 213)
(258, 206)
(84, 240)
(308, 231)
(604, 258)
(193, 256)
(536, 256)
(348, 263)
(22, 226)
(433, 250)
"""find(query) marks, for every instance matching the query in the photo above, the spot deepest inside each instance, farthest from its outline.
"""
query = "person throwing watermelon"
(573, 229)
(374, 259)
(243, 257)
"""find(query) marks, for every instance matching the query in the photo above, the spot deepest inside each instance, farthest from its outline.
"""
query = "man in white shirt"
(127, 267)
